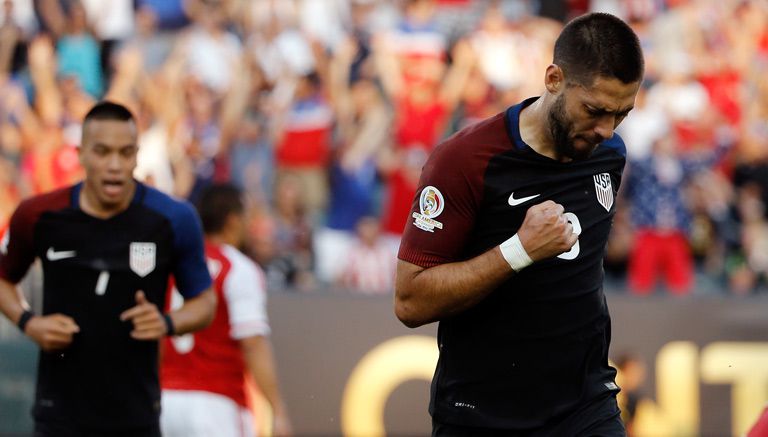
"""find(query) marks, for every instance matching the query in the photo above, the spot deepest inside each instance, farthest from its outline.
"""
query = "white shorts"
(188, 413)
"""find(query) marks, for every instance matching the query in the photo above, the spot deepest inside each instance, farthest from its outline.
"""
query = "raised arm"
(387, 65)
(458, 73)
(48, 99)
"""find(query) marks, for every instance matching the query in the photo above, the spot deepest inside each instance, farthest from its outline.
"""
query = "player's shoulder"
(174, 209)
(239, 261)
(489, 132)
(244, 276)
(616, 145)
(34, 206)
(477, 141)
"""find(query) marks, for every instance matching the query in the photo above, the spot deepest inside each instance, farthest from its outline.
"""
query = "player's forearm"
(259, 359)
(12, 303)
(428, 295)
(195, 314)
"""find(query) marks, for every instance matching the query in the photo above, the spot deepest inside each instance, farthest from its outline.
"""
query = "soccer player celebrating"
(108, 246)
(504, 247)
(202, 373)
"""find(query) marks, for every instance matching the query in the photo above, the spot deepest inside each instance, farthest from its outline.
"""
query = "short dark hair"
(216, 203)
(599, 44)
(106, 110)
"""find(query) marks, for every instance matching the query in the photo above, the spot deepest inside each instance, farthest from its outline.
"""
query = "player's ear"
(83, 142)
(80, 151)
(554, 79)
(232, 221)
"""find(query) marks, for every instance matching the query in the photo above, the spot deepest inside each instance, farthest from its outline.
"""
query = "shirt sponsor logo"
(142, 258)
(515, 202)
(54, 255)
(611, 385)
(431, 205)
(604, 190)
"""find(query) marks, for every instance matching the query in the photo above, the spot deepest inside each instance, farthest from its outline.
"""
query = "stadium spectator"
(202, 373)
(503, 53)
(112, 23)
(287, 238)
(170, 14)
(212, 54)
(362, 130)
(662, 217)
(54, 128)
(421, 87)
(280, 49)
(302, 134)
(78, 51)
(747, 259)
(108, 246)
(9, 194)
(13, 39)
(368, 267)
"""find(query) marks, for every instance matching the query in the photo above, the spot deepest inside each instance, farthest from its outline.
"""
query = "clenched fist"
(546, 232)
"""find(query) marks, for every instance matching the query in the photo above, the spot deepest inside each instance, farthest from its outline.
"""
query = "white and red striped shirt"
(370, 270)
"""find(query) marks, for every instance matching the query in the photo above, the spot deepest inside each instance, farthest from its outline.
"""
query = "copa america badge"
(431, 205)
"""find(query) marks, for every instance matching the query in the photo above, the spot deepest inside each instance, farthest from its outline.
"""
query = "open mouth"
(113, 187)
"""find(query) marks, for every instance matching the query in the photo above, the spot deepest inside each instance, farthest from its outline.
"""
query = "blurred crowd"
(324, 111)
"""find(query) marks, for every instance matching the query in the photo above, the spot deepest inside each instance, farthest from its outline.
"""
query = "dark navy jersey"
(92, 269)
(538, 345)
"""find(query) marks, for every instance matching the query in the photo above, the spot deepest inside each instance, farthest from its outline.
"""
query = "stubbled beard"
(560, 128)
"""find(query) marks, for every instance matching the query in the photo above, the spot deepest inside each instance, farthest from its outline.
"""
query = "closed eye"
(595, 112)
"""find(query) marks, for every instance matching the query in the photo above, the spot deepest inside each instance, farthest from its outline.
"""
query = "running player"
(108, 246)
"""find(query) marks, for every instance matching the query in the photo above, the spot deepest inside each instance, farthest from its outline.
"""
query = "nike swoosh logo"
(515, 202)
(52, 255)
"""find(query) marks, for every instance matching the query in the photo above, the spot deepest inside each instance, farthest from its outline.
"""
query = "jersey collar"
(512, 120)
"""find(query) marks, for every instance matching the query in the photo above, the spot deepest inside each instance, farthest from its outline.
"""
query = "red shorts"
(660, 254)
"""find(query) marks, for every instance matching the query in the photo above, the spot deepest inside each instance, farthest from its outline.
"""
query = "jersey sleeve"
(244, 292)
(190, 271)
(445, 205)
(17, 245)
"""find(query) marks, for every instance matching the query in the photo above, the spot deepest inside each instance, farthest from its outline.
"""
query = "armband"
(514, 253)
(24, 319)
(171, 330)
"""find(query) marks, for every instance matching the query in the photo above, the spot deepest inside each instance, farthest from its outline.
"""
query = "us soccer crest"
(142, 258)
(604, 190)
(431, 204)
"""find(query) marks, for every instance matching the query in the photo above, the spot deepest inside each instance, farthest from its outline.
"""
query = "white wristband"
(514, 253)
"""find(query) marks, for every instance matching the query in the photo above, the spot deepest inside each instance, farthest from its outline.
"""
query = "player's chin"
(578, 153)
(582, 149)
(110, 199)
